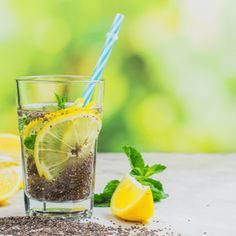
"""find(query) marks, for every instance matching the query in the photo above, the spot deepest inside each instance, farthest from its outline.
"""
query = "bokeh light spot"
(51, 35)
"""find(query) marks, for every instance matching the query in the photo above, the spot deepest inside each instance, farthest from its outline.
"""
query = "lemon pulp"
(10, 146)
(132, 201)
(10, 181)
(10, 153)
(64, 139)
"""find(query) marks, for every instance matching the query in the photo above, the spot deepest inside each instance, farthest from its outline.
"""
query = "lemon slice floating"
(132, 201)
(33, 127)
(65, 138)
(10, 182)
(36, 125)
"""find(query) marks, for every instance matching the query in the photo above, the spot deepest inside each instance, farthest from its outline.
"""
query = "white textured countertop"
(201, 188)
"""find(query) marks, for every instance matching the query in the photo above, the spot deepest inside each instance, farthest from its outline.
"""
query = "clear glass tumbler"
(58, 138)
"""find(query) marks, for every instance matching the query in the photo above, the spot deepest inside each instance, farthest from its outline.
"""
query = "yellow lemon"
(10, 181)
(62, 137)
(37, 124)
(10, 152)
(6, 161)
(132, 201)
(10, 146)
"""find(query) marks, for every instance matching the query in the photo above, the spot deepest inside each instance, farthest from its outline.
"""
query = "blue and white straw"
(112, 36)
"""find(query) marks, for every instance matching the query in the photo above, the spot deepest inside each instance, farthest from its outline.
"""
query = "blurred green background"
(171, 79)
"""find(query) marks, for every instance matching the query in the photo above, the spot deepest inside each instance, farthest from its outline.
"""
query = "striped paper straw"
(112, 36)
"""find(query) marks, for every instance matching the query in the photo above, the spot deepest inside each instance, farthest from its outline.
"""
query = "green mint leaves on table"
(30, 141)
(103, 199)
(140, 172)
(135, 158)
(61, 101)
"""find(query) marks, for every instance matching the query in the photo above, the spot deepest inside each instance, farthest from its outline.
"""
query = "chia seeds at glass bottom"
(36, 226)
(74, 183)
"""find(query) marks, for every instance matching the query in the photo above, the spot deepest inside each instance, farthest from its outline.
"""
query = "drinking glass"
(58, 141)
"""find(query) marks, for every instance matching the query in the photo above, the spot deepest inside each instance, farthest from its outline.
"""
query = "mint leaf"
(103, 199)
(136, 172)
(104, 204)
(154, 169)
(156, 187)
(22, 122)
(61, 101)
(134, 156)
(140, 172)
(30, 141)
(145, 169)
(157, 184)
(111, 186)
(158, 195)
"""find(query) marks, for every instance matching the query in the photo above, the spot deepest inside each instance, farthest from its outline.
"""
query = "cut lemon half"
(132, 201)
(10, 182)
(10, 146)
(7, 161)
(65, 138)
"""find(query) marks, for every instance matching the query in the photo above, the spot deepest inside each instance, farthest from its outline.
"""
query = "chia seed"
(74, 183)
(37, 226)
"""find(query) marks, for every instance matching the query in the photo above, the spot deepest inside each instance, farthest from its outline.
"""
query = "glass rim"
(58, 79)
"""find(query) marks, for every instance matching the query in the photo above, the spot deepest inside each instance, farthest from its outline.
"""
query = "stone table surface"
(201, 188)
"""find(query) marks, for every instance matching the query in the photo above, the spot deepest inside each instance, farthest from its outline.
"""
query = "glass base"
(81, 209)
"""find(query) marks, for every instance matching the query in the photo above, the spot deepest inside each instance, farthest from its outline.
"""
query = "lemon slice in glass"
(36, 125)
(33, 127)
(63, 139)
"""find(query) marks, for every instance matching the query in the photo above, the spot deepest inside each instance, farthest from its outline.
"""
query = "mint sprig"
(61, 101)
(135, 157)
(103, 199)
(140, 172)
(154, 169)
(30, 141)
(22, 122)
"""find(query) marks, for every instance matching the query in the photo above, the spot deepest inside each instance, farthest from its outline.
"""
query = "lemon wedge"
(10, 182)
(10, 146)
(10, 153)
(63, 139)
(6, 161)
(132, 201)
